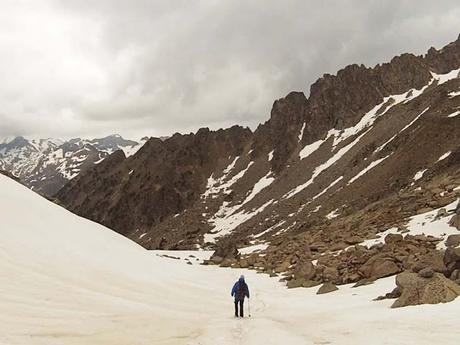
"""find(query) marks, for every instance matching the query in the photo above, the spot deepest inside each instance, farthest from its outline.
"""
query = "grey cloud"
(156, 67)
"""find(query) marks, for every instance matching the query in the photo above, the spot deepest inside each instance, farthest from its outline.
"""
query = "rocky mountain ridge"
(368, 151)
(45, 165)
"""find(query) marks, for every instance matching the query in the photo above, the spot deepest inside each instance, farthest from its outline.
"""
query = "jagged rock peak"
(339, 101)
(445, 59)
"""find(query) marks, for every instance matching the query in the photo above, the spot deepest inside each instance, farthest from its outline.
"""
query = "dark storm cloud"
(155, 67)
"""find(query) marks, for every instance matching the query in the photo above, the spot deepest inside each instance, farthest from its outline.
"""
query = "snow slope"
(67, 280)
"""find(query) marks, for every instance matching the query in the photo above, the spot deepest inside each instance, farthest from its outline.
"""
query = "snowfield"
(69, 281)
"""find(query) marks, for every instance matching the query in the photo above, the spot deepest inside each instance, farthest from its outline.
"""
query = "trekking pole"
(249, 306)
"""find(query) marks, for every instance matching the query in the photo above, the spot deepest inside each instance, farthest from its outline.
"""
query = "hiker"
(239, 291)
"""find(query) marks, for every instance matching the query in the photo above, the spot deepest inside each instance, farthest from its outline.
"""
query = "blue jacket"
(237, 286)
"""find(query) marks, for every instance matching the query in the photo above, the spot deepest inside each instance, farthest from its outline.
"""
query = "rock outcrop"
(452, 262)
(455, 220)
(416, 289)
(10, 175)
(326, 288)
(163, 179)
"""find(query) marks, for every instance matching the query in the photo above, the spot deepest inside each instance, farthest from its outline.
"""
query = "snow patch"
(227, 219)
(429, 224)
(442, 78)
(277, 225)
(100, 160)
(252, 249)
(263, 183)
(309, 149)
(316, 209)
(270, 156)
(231, 166)
(326, 189)
(369, 167)
(131, 150)
(454, 114)
(444, 156)
(302, 131)
(419, 174)
(216, 186)
(191, 257)
(333, 214)
(454, 94)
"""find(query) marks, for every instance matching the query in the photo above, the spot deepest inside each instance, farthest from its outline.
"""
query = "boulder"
(366, 268)
(350, 277)
(304, 269)
(426, 272)
(455, 221)
(228, 262)
(451, 256)
(310, 283)
(424, 238)
(452, 260)
(294, 283)
(383, 269)
(416, 290)
(396, 293)
(227, 249)
(433, 259)
(216, 260)
(244, 263)
(326, 288)
(252, 259)
(283, 267)
(455, 275)
(453, 240)
(303, 251)
(353, 240)
(364, 282)
(318, 247)
(330, 274)
(442, 212)
(306, 283)
(393, 238)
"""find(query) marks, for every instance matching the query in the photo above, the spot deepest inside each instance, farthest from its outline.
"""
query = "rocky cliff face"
(163, 179)
(312, 188)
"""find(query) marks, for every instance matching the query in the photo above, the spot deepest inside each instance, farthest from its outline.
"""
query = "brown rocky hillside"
(366, 151)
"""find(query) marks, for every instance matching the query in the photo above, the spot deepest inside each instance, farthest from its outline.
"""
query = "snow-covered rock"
(45, 165)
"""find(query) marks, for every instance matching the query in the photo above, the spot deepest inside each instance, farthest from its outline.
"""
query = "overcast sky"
(95, 67)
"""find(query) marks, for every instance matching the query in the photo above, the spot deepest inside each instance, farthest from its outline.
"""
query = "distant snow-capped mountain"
(45, 165)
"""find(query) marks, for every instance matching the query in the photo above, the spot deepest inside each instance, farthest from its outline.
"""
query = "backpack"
(241, 291)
